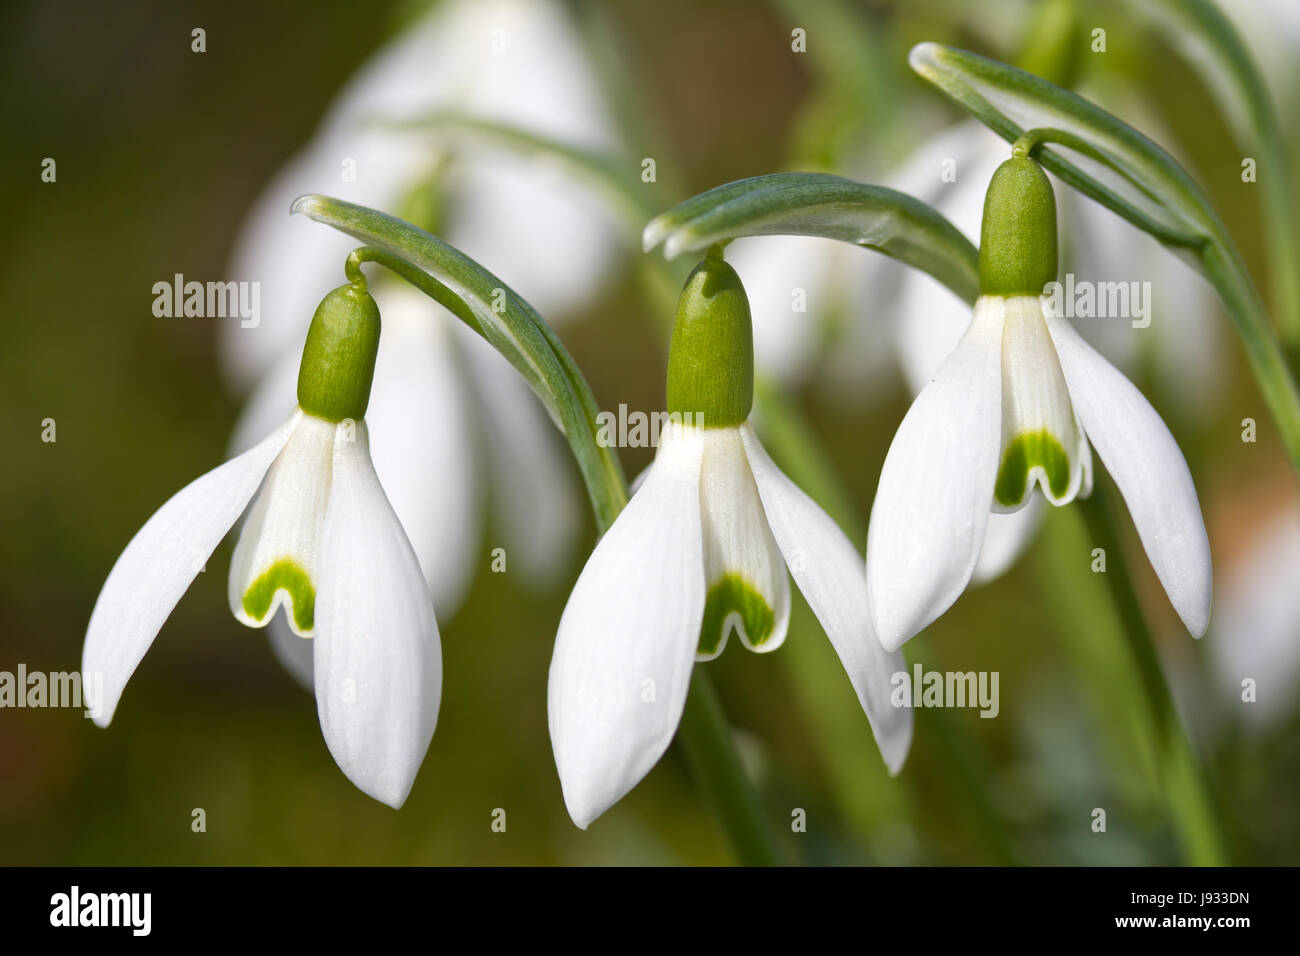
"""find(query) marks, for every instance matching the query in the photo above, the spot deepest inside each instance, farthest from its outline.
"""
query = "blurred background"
(163, 153)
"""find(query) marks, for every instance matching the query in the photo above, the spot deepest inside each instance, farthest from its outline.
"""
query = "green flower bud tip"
(338, 361)
(1018, 235)
(711, 358)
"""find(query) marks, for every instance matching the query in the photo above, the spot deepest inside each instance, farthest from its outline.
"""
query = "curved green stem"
(1030, 140)
(491, 309)
(1212, 45)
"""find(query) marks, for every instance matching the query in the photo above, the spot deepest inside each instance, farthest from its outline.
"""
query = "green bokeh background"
(161, 151)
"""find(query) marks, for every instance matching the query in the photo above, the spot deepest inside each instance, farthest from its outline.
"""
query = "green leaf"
(816, 204)
(500, 315)
(1200, 31)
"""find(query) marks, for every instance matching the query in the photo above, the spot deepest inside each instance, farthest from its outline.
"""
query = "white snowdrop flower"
(1010, 414)
(700, 553)
(323, 543)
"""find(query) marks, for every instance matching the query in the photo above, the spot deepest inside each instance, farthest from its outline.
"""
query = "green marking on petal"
(284, 575)
(733, 594)
(1028, 450)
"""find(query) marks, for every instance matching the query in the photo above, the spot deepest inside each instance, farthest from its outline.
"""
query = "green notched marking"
(1030, 449)
(288, 576)
(732, 593)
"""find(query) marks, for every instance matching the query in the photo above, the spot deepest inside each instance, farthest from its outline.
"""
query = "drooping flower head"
(1010, 415)
(519, 63)
(322, 542)
(701, 553)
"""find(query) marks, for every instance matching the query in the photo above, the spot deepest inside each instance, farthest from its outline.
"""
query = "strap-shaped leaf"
(1200, 31)
(817, 204)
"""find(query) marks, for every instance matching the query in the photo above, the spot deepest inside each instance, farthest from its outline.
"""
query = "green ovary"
(733, 594)
(1026, 451)
(284, 575)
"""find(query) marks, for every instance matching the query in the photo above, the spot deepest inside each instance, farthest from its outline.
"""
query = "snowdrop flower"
(701, 552)
(1009, 414)
(930, 319)
(518, 62)
(321, 541)
(478, 424)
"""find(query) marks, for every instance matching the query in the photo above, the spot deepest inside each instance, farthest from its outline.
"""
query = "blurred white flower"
(518, 62)
(1271, 29)
(1257, 624)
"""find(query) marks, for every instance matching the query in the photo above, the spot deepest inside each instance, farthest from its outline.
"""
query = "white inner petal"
(748, 590)
(1042, 443)
(275, 560)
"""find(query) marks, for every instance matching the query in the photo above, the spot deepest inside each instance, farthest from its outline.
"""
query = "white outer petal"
(830, 574)
(1147, 465)
(159, 563)
(936, 487)
(633, 617)
(377, 653)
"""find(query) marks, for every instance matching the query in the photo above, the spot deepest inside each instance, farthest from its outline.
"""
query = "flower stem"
(706, 741)
(1178, 774)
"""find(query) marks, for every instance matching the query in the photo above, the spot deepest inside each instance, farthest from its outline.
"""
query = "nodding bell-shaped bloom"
(461, 443)
(701, 552)
(1010, 415)
(321, 541)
